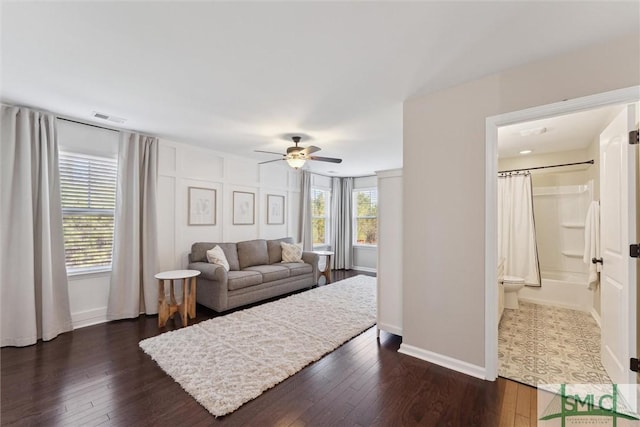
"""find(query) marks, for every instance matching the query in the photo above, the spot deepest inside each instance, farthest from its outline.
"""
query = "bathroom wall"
(561, 198)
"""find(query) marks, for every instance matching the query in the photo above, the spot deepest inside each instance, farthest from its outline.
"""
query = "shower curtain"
(516, 228)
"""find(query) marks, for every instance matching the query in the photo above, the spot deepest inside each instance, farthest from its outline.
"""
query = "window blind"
(88, 193)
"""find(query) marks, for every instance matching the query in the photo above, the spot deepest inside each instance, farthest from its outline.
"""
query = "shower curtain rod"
(589, 162)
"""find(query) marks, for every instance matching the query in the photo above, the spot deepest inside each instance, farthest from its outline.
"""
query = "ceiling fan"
(297, 156)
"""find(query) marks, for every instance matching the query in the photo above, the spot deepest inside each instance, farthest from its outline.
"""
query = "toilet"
(512, 285)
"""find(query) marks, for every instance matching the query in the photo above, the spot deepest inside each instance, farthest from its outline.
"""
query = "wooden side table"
(166, 309)
(327, 268)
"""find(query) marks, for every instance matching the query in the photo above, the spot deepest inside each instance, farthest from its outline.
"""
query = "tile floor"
(540, 344)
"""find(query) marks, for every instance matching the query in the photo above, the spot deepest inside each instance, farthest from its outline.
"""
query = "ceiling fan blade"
(310, 149)
(325, 159)
(269, 152)
(269, 161)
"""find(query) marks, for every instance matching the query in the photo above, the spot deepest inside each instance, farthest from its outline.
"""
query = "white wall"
(444, 206)
(182, 166)
(390, 255)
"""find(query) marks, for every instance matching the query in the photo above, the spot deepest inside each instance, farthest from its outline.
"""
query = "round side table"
(327, 268)
(166, 309)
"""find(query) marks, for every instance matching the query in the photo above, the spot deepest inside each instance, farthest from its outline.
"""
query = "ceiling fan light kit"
(296, 162)
(297, 156)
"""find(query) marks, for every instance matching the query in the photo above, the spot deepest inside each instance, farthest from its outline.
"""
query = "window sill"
(361, 246)
(92, 272)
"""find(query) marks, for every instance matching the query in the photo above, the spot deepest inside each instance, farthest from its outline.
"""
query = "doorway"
(623, 96)
(549, 331)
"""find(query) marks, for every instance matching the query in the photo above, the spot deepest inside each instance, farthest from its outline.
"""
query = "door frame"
(619, 96)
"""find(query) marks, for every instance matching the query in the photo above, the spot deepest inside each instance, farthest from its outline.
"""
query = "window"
(88, 192)
(365, 217)
(320, 216)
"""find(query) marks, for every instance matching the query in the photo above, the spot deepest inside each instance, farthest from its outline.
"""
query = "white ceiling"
(237, 76)
(574, 131)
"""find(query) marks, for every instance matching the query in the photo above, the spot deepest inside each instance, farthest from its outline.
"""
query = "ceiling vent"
(109, 118)
(534, 131)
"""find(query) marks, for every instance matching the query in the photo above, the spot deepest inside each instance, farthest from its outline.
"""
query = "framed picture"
(275, 209)
(202, 206)
(243, 208)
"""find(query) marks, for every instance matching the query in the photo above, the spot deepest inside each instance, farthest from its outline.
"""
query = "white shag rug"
(227, 361)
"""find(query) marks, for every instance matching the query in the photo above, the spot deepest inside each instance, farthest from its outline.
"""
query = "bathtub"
(561, 289)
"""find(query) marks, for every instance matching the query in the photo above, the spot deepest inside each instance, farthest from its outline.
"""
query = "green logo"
(581, 402)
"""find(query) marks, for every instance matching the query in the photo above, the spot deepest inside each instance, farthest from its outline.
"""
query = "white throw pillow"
(291, 252)
(217, 256)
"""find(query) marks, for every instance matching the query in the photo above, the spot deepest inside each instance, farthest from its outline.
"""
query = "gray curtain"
(306, 235)
(133, 288)
(340, 225)
(33, 275)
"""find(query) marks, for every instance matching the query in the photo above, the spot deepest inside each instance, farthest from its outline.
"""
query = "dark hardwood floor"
(99, 376)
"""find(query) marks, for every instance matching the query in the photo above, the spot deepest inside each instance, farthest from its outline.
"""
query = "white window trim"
(96, 270)
(354, 219)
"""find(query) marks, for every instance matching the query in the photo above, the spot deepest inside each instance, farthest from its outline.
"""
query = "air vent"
(109, 118)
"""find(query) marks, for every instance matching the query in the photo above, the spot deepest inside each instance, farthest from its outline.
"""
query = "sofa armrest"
(312, 258)
(214, 272)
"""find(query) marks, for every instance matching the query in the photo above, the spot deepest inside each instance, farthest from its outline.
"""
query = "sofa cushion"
(297, 269)
(252, 252)
(275, 250)
(243, 279)
(199, 253)
(270, 272)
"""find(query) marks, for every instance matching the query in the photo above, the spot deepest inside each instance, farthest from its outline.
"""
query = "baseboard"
(365, 269)
(445, 361)
(596, 317)
(390, 328)
(89, 317)
(555, 304)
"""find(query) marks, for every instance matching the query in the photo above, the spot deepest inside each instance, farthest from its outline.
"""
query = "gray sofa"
(256, 272)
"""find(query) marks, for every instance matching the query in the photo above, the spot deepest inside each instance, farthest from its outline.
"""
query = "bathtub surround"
(549, 345)
(561, 199)
(561, 289)
(592, 243)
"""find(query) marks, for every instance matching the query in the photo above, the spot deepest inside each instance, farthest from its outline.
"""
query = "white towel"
(592, 242)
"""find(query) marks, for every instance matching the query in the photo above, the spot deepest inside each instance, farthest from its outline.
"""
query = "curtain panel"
(306, 235)
(341, 220)
(133, 289)
(34, 297)
(516, 228)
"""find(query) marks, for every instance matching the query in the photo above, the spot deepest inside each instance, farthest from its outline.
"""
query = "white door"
(618, 230)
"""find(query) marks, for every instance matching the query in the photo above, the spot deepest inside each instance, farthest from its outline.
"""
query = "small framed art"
(202, 206)
(275, 209)
(243, 208)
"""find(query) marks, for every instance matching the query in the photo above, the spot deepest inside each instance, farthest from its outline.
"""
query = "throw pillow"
(291, 252)
(217, 256)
